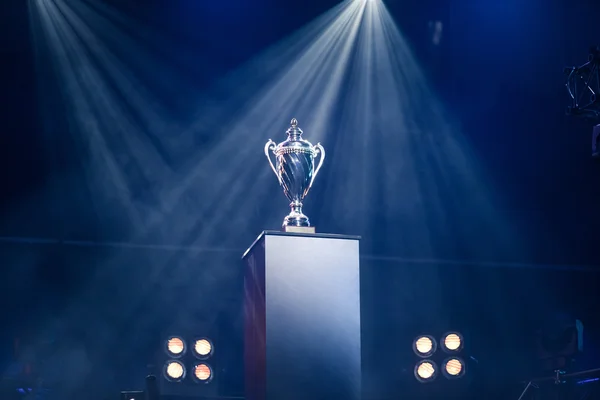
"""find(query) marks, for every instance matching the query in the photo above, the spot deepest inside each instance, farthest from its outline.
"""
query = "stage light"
(426, 371)
(559, 343)
(174, 371)
(203, 348)
(424, 346)
(452, 342)
(453, 368)
(203, 373)
(583, 86)
(175, 346)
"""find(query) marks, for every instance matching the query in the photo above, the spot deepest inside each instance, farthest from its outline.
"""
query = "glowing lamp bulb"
(454, 367)
(203, 347)
(424, 345)
(425, 370)
(452, 341)
(175, 370)
(202, 372)
(175, 346)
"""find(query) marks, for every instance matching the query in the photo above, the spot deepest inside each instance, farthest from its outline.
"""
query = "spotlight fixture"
(174, 371)
(559, 343)
(203, 348)
(175, 346)
(426, 371)
(424, 346)
(453, 367)
(203, 373)
(583, 85)
(452, 342)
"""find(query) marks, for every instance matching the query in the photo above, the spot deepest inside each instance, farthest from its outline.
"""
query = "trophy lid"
(293, 132)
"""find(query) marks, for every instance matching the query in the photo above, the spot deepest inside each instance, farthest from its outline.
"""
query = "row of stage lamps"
(453, 366)
(175, 370)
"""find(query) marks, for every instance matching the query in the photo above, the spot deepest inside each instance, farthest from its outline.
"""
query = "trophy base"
(299, 229)
(296, 221)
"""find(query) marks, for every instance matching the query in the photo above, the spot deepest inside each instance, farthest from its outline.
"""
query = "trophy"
(296, 173)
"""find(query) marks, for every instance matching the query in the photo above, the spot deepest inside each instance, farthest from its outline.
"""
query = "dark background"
(498, 69)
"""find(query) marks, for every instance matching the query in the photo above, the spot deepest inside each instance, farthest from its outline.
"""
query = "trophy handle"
(271, 146)
(318, 150)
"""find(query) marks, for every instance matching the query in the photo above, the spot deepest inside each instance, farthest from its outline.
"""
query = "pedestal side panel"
(312, 313)
(254, 324)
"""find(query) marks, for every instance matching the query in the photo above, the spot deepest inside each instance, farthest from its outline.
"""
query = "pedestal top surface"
(308, 235)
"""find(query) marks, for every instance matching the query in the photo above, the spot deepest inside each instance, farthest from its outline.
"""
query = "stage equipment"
(188, 372)
(576, 385)
(175, 346)
(152, 390)
(453, 368)
(452, 342)
(296, 172)
(174, 371)
(203, 348)
(424, 346)
(426, 371)
(133, 395)
(558, 345)
(583, 86)
(302, 317)
(203, 373)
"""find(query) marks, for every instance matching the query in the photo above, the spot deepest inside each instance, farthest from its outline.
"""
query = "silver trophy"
(295, 171)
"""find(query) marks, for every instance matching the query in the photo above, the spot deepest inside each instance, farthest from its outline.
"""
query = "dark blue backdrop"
(499, 70)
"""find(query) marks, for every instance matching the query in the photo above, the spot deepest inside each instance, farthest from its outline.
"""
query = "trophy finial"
(293, 132)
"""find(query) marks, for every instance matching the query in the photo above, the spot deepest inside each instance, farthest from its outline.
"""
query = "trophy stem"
(296, 217)
(296, 207)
